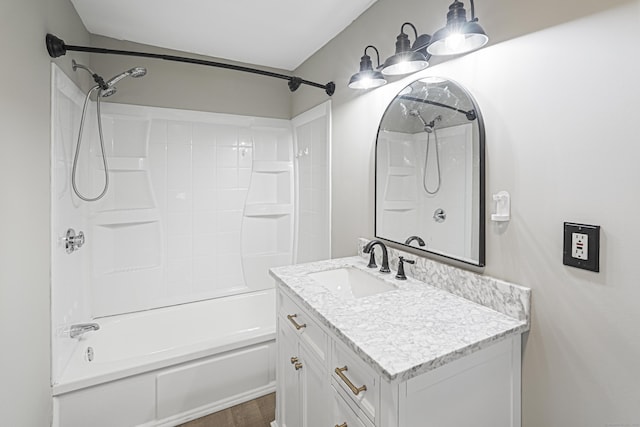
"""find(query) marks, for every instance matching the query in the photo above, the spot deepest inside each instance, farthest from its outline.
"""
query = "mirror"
(430, 171)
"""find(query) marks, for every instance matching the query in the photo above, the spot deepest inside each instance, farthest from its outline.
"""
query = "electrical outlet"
(581, 246)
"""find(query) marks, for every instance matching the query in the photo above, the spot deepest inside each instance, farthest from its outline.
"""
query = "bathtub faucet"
(81, 328)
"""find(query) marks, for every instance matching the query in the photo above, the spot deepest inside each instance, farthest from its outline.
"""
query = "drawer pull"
(295, 324)
(342, 425)
(297, 365)
(343, 377)
(294, 360)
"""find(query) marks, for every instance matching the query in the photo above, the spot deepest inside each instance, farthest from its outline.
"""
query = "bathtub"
(170, 365)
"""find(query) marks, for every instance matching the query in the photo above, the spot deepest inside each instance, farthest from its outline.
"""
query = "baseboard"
(215, 407)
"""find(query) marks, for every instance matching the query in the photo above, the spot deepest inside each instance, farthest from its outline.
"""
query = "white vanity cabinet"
(322, 382)
(303, 385)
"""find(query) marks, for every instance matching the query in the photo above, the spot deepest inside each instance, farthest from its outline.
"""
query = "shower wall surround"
(312, 152)
(70, 297)
(200, 205)
(400, 184)
(169, 231)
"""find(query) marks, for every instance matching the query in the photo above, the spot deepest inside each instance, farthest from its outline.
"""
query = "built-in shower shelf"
(272, 166)
(283, 257)
(268, 209)
(123, 164)
(400, 205)
(401, 171)
(132, 269)
(125, 216)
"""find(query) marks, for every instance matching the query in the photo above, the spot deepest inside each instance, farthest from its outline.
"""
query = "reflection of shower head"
(428, 127)
(416, 113)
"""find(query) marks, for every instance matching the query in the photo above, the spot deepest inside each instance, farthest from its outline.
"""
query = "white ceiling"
(274, 33)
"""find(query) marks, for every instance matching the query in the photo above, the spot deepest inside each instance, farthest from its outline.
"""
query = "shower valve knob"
(73, 241)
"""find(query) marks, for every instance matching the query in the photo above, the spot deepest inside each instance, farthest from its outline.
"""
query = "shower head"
(138, 72)
(134, 72)
(110, 88)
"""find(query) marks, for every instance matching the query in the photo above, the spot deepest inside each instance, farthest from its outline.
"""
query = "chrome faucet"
(384, 268)
(82, 328)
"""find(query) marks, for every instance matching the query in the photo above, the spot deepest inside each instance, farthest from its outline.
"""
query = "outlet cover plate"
(592, 262)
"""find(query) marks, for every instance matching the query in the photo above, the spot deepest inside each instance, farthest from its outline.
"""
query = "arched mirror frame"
(479, 261)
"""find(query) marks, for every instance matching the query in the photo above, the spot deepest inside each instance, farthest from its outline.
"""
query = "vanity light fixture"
(405, 60)
(367, 77)
(459, 35)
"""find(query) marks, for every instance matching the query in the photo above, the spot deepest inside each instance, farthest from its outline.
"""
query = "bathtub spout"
(81, 328)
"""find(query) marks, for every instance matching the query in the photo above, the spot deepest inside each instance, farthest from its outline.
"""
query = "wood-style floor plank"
(255, 413)
(218, 419)
(267, 406)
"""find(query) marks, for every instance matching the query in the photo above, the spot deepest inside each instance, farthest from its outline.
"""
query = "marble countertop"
(404, 332)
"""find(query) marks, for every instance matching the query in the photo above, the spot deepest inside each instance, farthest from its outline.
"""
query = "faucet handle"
(401, 261)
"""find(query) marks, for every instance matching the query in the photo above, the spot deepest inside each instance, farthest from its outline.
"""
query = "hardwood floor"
(255, 413)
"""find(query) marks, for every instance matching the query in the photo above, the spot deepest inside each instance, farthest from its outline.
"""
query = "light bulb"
(454, 42)
(403, 67)
(365, 83)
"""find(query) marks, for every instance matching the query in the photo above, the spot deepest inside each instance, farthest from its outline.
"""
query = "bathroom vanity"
(357, 347)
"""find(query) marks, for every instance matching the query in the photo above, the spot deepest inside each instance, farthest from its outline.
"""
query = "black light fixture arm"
(57, 47)
(415, 31)
(377, 53)
(473, 11)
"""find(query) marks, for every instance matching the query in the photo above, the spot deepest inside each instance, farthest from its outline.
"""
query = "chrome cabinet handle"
(343, 377)
(294, 360)
(295, 324)
(297, 365)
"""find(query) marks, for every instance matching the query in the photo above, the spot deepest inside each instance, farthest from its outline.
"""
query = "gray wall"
(25, 396)
(192, 87)
(557, 87)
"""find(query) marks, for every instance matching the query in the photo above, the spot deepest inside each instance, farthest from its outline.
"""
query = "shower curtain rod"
(57, 47)
(471, 114)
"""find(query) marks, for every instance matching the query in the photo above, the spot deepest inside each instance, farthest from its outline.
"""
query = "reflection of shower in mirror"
(429, 171)
(430, 128)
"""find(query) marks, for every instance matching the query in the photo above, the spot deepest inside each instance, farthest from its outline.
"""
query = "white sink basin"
(351, 282)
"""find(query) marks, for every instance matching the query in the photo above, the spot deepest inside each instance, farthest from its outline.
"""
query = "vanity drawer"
(343, 416)
(297, 319)
(356, 379)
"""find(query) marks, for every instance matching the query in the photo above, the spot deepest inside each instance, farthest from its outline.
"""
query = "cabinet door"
(313, 390)
(288, 396)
